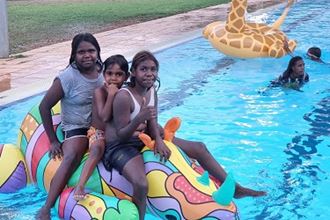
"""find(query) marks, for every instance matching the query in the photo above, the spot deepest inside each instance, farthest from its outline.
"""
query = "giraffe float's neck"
(236, 16)
(281, 19)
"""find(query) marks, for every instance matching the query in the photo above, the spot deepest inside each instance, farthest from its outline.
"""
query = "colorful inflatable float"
(239, 38)
(13, 171)
(178, 188)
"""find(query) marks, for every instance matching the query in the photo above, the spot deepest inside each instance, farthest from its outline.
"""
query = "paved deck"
(34, 73)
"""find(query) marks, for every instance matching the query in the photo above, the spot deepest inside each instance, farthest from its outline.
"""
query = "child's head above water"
(296, 67)
(314, 53)
(115, 70)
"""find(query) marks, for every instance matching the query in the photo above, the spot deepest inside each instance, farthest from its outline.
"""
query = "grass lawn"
(37, 23)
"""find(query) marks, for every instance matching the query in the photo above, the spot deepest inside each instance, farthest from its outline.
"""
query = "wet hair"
(315, 51)
(138, 59)
(116, 59)
(292, 62)
(80, 38)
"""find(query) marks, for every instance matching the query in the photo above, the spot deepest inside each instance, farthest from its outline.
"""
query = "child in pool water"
(294, 76)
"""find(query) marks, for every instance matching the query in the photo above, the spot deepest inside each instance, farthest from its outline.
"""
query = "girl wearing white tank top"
(131, 108)
(137, 106)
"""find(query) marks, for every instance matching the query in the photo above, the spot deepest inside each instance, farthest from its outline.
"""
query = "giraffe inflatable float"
(239, 38)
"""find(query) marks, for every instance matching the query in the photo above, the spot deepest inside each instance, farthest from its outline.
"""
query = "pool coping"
(176, 30)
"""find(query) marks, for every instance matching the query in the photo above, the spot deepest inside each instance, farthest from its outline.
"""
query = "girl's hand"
(112, 89)
(55, 150)
(141, 127)
(162, 150)
(286, 47)
(147, 112)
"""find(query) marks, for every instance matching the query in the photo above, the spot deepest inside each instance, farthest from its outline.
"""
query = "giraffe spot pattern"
(236, 44)
(247, 42)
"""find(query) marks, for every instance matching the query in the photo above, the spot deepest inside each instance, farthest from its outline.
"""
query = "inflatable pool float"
(239, 38)
(13, 170)
(178, 188)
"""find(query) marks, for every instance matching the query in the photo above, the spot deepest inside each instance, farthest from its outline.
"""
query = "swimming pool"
(276, 139)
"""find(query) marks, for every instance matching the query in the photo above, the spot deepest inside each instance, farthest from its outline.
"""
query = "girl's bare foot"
(242, 192)
(79, 193)
(43, 214)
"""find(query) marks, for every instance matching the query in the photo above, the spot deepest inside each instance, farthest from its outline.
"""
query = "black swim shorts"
(79, 132)
(117, 153)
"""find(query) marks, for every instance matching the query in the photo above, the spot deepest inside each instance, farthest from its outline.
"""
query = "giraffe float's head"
(236, 16)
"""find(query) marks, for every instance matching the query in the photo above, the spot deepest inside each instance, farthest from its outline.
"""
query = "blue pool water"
(271, 139)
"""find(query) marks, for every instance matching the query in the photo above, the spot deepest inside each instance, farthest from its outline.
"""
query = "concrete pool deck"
(34, 72)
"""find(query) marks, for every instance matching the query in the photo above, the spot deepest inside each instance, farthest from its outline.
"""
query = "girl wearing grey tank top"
(74, 87)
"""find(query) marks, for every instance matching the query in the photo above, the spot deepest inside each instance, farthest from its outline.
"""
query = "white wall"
(4, 41)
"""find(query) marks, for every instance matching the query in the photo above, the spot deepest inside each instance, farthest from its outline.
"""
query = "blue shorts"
(117, 153)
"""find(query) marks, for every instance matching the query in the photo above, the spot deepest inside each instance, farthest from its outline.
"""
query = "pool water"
(271, 139)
